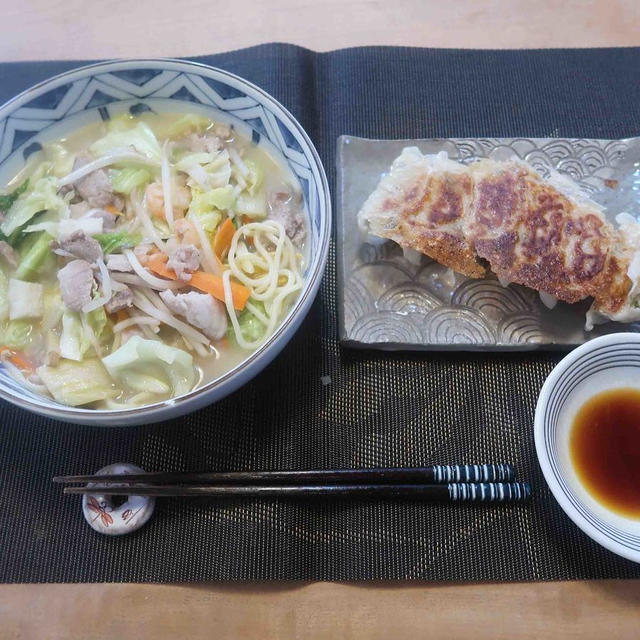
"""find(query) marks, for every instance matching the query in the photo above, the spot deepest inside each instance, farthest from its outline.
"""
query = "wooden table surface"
(41, 29)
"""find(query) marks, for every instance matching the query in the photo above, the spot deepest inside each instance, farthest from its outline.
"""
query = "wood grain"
(556, 611)
(74, 29)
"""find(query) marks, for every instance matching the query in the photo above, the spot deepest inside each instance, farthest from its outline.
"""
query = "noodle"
(266, 287)
(166, 186)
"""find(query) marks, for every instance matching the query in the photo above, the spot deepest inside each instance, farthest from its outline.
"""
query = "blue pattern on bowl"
(88, 94)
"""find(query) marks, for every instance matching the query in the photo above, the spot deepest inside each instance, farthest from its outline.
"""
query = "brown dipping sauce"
(604, 446)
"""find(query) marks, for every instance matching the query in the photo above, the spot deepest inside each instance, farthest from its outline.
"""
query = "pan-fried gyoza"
(503, 217)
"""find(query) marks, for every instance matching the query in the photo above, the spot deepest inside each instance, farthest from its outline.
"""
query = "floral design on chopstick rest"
(392, 301)
(102, 514)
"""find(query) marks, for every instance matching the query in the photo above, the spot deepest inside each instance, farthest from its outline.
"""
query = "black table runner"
(378, 409)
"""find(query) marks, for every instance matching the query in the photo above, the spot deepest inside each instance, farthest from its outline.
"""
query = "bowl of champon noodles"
(164, 229)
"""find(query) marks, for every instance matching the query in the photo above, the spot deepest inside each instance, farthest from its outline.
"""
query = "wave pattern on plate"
(454, 324)
(357, 301)
(522, 328)
(491, 299)
(386, 326)
(455, 310)
(408, 297)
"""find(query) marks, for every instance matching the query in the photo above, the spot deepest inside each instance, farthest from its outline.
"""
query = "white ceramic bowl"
(74, 99)
(608, 362)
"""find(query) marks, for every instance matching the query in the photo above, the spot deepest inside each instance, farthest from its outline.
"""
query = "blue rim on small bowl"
(86, 94)
(607, 362)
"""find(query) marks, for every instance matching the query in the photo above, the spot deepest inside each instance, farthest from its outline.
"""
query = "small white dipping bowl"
(608, 362)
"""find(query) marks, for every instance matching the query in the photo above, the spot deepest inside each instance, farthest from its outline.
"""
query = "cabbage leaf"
(77, 383)
(16, 334)
(129, 178)
(142, 365)
(42, 197)
(140, 137)
(206, 170)
(118, 240)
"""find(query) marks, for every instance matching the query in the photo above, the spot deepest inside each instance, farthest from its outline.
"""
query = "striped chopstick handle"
(489, 491)
(472, 473)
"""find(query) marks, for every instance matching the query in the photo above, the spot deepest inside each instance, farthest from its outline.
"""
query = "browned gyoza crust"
(507, 215)
(425, 211)
(533, 235)
(432, 222)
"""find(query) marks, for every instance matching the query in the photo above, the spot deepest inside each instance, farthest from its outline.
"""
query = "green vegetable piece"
(252, 206)
(60, 158)
(16, 334)
(221, 198)
(8, 199)
(206, 169)
(78, 383)
(130, 178)
(114, 242)
(34, 258)
(97, 320)
(250, 327)
(4, 296)
(188, 123)
(140, 137)
(138, 360)
(42, 197)
(255, 178)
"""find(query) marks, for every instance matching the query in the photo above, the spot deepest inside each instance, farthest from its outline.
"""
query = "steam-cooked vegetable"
(140, 137)
(16, 334)
(36, 253)
(117, 241)
(8, 199)
(43, 197)
(130, 178)
(78, 383)
(26, 299)
(150, 366)
(140, 258)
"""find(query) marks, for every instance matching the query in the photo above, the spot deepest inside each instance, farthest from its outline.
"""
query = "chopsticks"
(456, 491)
(435, 474)
(485, 483)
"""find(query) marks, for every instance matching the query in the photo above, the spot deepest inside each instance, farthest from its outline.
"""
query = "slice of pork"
(206, 143)
(76, 282)
(184, 260)
(118, 262)
(95, 188)
(119, 300)
(285, 208)
(200, 310)
(80, 245)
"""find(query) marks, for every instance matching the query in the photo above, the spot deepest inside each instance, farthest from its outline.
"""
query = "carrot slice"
(121, 315)
(206, 282)
(17, 359)
(213, 284)
(224, 235)
(111, 209)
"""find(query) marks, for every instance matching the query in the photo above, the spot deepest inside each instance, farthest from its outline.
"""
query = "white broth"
(143, 257)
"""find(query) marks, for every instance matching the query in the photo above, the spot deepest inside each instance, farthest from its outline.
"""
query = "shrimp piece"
(186, 232)
(154, 199)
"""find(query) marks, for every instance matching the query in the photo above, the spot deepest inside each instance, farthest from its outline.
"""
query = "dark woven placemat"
(379, 409)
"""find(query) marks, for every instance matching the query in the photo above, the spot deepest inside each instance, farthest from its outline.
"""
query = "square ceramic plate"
(388, 302)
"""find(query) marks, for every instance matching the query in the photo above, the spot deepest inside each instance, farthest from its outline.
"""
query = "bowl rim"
(270, 348)
(540, 441)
